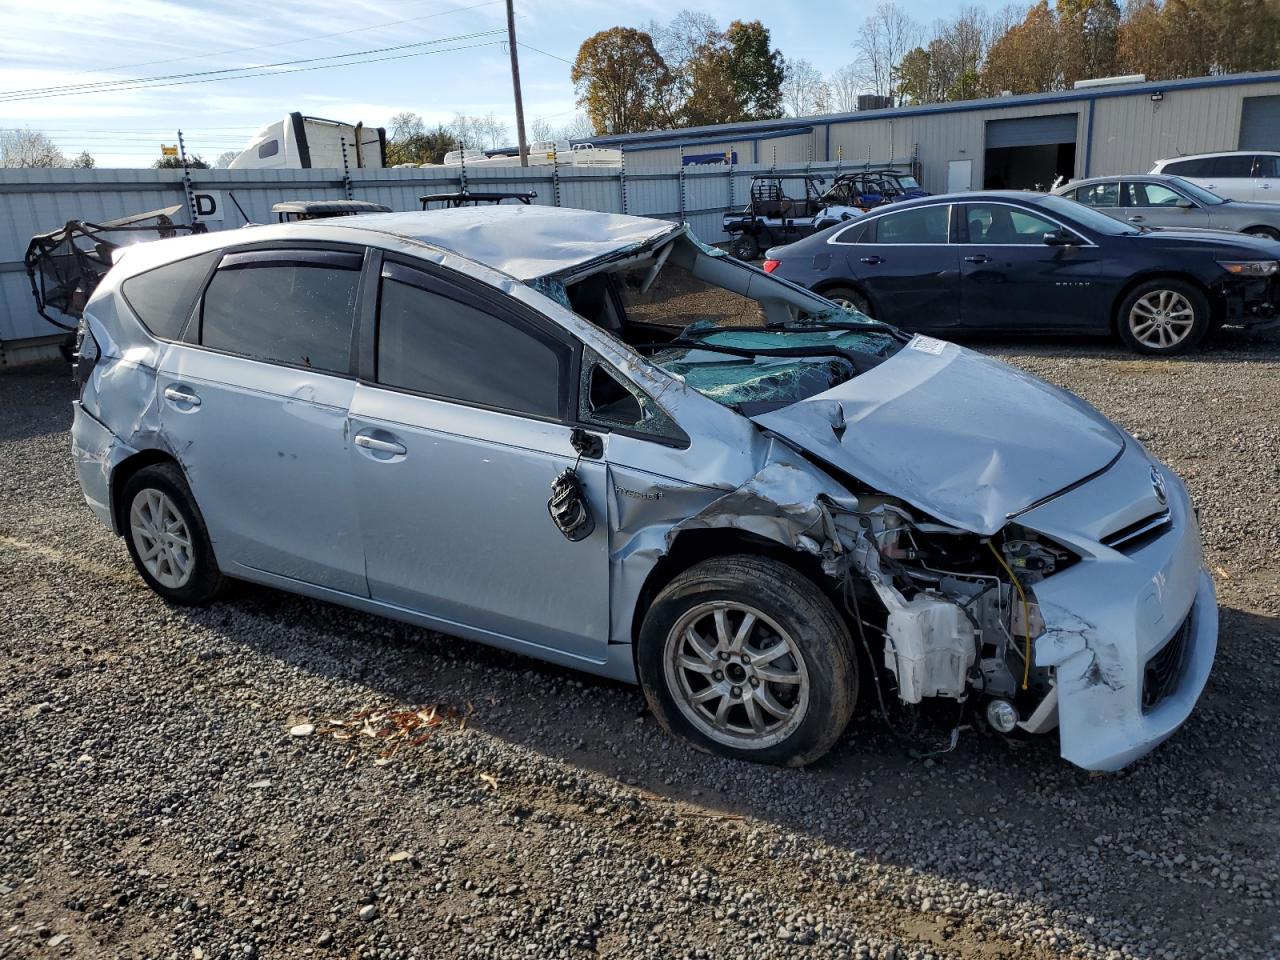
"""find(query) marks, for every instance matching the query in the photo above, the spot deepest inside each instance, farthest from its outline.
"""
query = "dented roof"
(525, 242)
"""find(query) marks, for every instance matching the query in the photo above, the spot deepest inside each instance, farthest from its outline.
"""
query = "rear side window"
(1240, 165)
(858, 233)
(434, 339)
(292, 307)
(1265, 165)
(162, 298)
(920, 225)
(1099, 195)
(1188, 168)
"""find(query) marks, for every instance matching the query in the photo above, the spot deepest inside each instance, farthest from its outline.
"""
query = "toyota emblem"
(1157, 486)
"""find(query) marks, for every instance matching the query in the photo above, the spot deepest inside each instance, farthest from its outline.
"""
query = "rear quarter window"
(162, 298)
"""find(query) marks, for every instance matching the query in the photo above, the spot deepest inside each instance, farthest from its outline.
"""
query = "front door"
(1150, 204)
(255, 406)
(1012, 280)
(458, 432)
(909, 269)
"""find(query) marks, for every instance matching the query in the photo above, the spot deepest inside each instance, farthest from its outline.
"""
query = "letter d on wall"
(208, 205)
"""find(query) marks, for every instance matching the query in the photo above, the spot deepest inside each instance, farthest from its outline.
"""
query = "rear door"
(1151, 204)
(907, 266)
(459, 425)
(254, 405)
(1266, 173)
(1230, 176)
(1103, 197)
(1012, 280)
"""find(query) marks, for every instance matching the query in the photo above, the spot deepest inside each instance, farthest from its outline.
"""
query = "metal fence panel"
(36, 201)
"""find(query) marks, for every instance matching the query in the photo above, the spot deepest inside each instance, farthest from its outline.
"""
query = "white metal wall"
(37, 201)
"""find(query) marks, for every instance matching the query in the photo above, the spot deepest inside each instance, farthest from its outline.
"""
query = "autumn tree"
(1087, 33)
(620, 78)
(755, 71)
(1024, 59)
(194, 162)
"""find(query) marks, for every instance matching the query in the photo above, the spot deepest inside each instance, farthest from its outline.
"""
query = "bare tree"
(29, 148)
(224, 159)
(804, 91)
(845, 84)
(406, 124)
(883, 41)
(579, 128)
(540, 129)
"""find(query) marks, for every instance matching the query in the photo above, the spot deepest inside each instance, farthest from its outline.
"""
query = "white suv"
(1236, 175)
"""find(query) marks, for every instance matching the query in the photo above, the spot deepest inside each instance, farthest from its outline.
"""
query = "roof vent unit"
(1110, 81)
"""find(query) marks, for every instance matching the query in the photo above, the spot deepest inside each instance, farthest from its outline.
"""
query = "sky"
(466, 70)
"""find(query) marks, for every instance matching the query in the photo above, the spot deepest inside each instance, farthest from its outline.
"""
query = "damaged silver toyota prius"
(591, 439)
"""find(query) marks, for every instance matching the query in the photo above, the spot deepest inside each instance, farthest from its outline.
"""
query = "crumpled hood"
(967, 439)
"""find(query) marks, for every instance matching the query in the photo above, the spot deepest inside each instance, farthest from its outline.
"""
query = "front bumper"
(1110, 617)
(1252, 302)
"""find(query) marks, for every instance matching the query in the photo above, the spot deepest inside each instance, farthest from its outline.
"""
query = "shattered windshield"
(735, 335)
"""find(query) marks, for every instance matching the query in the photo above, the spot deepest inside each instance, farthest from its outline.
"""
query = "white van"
(1236, 174)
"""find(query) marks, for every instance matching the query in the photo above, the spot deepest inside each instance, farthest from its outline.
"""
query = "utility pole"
(515, 82)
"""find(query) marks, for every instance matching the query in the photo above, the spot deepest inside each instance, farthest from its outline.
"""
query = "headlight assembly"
(1250, 268)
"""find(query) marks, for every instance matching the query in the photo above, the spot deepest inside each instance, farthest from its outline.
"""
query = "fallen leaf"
(490, 779)
(399, 857)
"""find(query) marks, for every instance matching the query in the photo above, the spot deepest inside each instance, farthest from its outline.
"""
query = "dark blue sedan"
(1029, 263)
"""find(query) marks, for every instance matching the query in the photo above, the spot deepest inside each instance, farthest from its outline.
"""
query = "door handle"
(872, 260)
(1137, 218)
(178, 395)
(380, 446)
(978, 258)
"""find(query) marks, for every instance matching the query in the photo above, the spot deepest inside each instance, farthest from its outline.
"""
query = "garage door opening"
(1030, 153)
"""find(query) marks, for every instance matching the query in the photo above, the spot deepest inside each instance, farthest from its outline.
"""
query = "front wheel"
(1163, 317)
(745, 657)
(167, 538)
(1264, 233)
(745, 247)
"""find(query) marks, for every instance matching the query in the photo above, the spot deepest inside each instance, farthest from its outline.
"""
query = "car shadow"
(903, 799)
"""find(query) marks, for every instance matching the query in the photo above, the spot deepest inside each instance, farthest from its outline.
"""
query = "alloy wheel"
(1161, 319)
(161, 538)
(736, 675)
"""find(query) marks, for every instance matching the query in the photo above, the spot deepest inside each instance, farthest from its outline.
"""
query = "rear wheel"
(167, 538)
(745, 246)
(745, 657)
(1163, 317)
(1267, 233)
(849, 299)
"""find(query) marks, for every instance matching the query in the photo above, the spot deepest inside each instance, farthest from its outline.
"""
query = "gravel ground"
(276, 777)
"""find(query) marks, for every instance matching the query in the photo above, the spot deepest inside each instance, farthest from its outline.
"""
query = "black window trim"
(474, 293)
(192, 307)
(287, 246)
(676, 443)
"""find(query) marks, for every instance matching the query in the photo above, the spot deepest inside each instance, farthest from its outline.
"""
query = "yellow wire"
(1026, 614)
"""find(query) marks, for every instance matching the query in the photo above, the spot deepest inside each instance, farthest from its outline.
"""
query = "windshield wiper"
(861, 362)
(801, 326)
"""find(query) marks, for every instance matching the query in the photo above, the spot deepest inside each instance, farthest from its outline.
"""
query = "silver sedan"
(1153, 200)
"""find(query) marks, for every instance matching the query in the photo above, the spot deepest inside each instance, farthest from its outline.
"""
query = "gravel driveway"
(276, 777)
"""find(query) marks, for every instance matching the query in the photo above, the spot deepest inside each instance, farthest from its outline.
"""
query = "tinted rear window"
(162, 298)
(296, 312)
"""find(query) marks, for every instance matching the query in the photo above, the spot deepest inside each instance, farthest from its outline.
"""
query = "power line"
(529, 46)
(286, 43)
(107, 86)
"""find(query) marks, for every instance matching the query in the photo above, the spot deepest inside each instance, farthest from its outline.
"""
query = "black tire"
(745, 246)
(850, 296)
(204, 580)
(1142, 339)
(1267, 233)
(796, 606)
